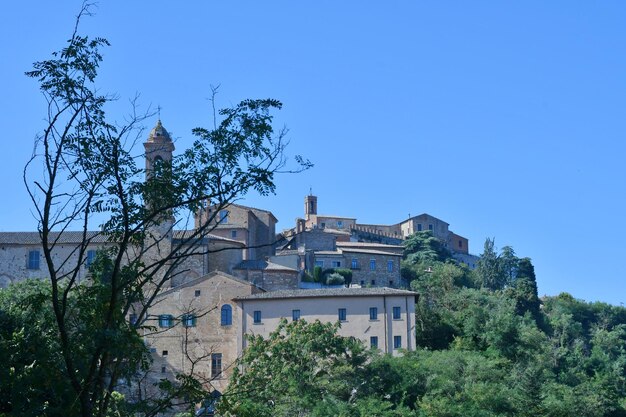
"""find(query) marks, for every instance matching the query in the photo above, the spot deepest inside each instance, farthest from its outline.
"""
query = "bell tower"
(158, 243)
(310, 206)
(159, 146)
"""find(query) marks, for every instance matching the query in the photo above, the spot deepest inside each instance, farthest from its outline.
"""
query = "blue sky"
(505, 119)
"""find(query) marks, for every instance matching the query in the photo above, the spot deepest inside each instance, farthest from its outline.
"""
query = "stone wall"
(204, 298)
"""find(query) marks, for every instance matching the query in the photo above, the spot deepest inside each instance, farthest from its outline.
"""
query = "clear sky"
(505, 119)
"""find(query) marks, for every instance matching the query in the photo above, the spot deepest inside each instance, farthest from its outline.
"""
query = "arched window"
(227, 315)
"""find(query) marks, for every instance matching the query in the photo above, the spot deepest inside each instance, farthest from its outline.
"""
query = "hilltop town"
(246, 277)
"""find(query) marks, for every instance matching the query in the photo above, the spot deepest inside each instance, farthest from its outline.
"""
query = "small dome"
(159, 134)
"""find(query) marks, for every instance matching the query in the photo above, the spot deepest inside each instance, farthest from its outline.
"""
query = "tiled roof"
(369, 251)
(336, 231)
(328, 252)
(204, 278)
(186, 234)
(33, 238)
(370, 245)
(263, 265)
(328, 292)
(335, 217)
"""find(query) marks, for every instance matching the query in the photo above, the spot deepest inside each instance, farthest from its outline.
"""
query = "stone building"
(203, 323)
(267, 275)
(382, 318)
(243, 233)
(196, 326)
(255, 228)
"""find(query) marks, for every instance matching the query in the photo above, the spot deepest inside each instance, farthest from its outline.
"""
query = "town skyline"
(502, 120)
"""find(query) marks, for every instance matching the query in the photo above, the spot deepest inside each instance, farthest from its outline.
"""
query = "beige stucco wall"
(325, 309)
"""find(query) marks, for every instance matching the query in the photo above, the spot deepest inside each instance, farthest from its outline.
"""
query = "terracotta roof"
(328, 292)
(334, 217)
(186, 234)
(33, 238)
(371, 245)
(263, 265)
(369, 251)
(328, 252)
(204, 278)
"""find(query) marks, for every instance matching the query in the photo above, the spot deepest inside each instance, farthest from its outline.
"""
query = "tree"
(490, 270)
(84, 174)
(300, 369)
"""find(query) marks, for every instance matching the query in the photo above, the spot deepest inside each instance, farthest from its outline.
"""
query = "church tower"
(310, 206)
(159, 146)
(158, 243)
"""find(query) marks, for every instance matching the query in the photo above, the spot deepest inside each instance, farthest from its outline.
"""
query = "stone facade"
(197, 323)
(386, 234)
(267, 275)
(253, 227)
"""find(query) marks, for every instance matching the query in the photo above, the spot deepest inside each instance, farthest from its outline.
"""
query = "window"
(372, 264)
(374, 342)
(389, 266)
(391, 283)
(33, 259)
(430, 227)
(339, 224)
(165, 352)
(189, 320)
(163, 369)
(227, 315)
(91, 257)
(132, 318)
(257, 317)
(373, 282)
(362, 283)
(295, 315)
(319, 263)
(355, 263)
(224, 216)
(373, 313)
(322, 225)
(397, 342)
(336, 264)
(419, 227)
(233, 234)
(196, 293)
(460, 243)
(342, 314)
(166, 320)
(396, 313)
(216, 364)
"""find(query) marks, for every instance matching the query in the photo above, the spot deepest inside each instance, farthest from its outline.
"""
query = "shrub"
(317, 274)
(346, 274)
(335, 279)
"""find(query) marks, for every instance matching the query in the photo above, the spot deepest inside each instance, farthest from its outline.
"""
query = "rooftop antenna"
(310, 190)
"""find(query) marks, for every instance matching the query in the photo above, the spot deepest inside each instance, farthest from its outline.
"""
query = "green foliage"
(84, 173)
(318, 276)
(335, 279)
(423, 247)
(301, 368)
(346, 274)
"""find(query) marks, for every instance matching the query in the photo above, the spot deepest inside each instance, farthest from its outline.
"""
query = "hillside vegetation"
(487, 346)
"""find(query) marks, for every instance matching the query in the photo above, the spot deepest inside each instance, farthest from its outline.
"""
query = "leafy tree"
(300, 369)
(489, 270)
(84, 174)
(423, 247)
